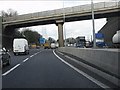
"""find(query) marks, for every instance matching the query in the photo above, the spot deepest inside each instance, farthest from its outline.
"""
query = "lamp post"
(93, 23)
(63, 22)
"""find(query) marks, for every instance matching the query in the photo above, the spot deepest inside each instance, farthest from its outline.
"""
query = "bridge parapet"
(103, 6)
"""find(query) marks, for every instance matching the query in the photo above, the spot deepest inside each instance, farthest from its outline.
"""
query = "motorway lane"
(18, 59)
(45, 70)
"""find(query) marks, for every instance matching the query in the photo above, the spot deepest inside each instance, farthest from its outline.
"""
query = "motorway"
(42, 69)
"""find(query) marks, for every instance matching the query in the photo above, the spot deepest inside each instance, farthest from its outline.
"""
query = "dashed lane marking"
(25, 60)
(18, 65)
(31, 55)
(36, 53)
(11, 70)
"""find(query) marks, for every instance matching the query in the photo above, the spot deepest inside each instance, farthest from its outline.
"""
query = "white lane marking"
(61, 53)
(31, 55)
(17, 65)
(35, 54)
(84, 74)
(11, 70)
(25, 60)
(39, 52)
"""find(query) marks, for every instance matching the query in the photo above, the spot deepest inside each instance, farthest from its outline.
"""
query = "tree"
(70, 40)
(17, 34)
(51, 40)
(31, 36)
(9, 13)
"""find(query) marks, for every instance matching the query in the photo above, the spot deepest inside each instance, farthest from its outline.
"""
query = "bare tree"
(51, 40)
(9, 13)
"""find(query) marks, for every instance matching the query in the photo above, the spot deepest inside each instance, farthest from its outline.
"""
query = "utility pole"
(93, 23)
(63, 22)
(23, 34)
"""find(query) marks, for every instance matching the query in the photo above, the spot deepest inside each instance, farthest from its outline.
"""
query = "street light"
(63, 22)
(23, 33)
(93, 23)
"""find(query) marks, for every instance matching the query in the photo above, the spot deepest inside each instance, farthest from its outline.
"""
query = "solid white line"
(11, 70)
(25, 60)
(84, 74)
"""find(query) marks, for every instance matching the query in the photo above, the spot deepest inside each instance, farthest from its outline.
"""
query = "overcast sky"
(72, 29)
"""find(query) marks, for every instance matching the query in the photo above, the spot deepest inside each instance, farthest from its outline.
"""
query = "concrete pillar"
(8, 36)
(59, 23)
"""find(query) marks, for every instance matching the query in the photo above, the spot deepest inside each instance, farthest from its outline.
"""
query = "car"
(5, 57)
(80, 45)
(88, 44)
(37, 47)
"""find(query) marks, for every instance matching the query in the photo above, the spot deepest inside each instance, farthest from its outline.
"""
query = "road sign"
(42, 40)
(99, 35)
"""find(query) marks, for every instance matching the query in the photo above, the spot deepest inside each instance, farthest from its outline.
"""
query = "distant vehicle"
(80, 45)
(53, 45)
(116, 39)
(81, 42)
(33, 46)
(37, 47)
(68, 45)
(88, 44)
(99, 40)
(5, 57)
(20, 45)
(47, 45)
(57, 45)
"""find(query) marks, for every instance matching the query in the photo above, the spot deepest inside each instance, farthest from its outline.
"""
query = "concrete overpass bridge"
(77, 13)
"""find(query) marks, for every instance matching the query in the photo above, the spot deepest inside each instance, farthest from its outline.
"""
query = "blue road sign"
(42, 40)
(99, 35)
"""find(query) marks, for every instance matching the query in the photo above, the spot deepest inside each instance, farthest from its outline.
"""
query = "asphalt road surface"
(42, 69)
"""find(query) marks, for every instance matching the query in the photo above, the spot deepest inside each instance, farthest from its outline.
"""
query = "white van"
(53, 45)
(20, 45)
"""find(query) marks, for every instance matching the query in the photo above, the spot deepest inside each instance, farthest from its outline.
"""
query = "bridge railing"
(68, 11)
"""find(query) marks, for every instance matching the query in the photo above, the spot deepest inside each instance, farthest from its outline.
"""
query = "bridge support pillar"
(7, 37)
(60, 23)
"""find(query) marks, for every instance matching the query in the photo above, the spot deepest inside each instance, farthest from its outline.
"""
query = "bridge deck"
(69, 12)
